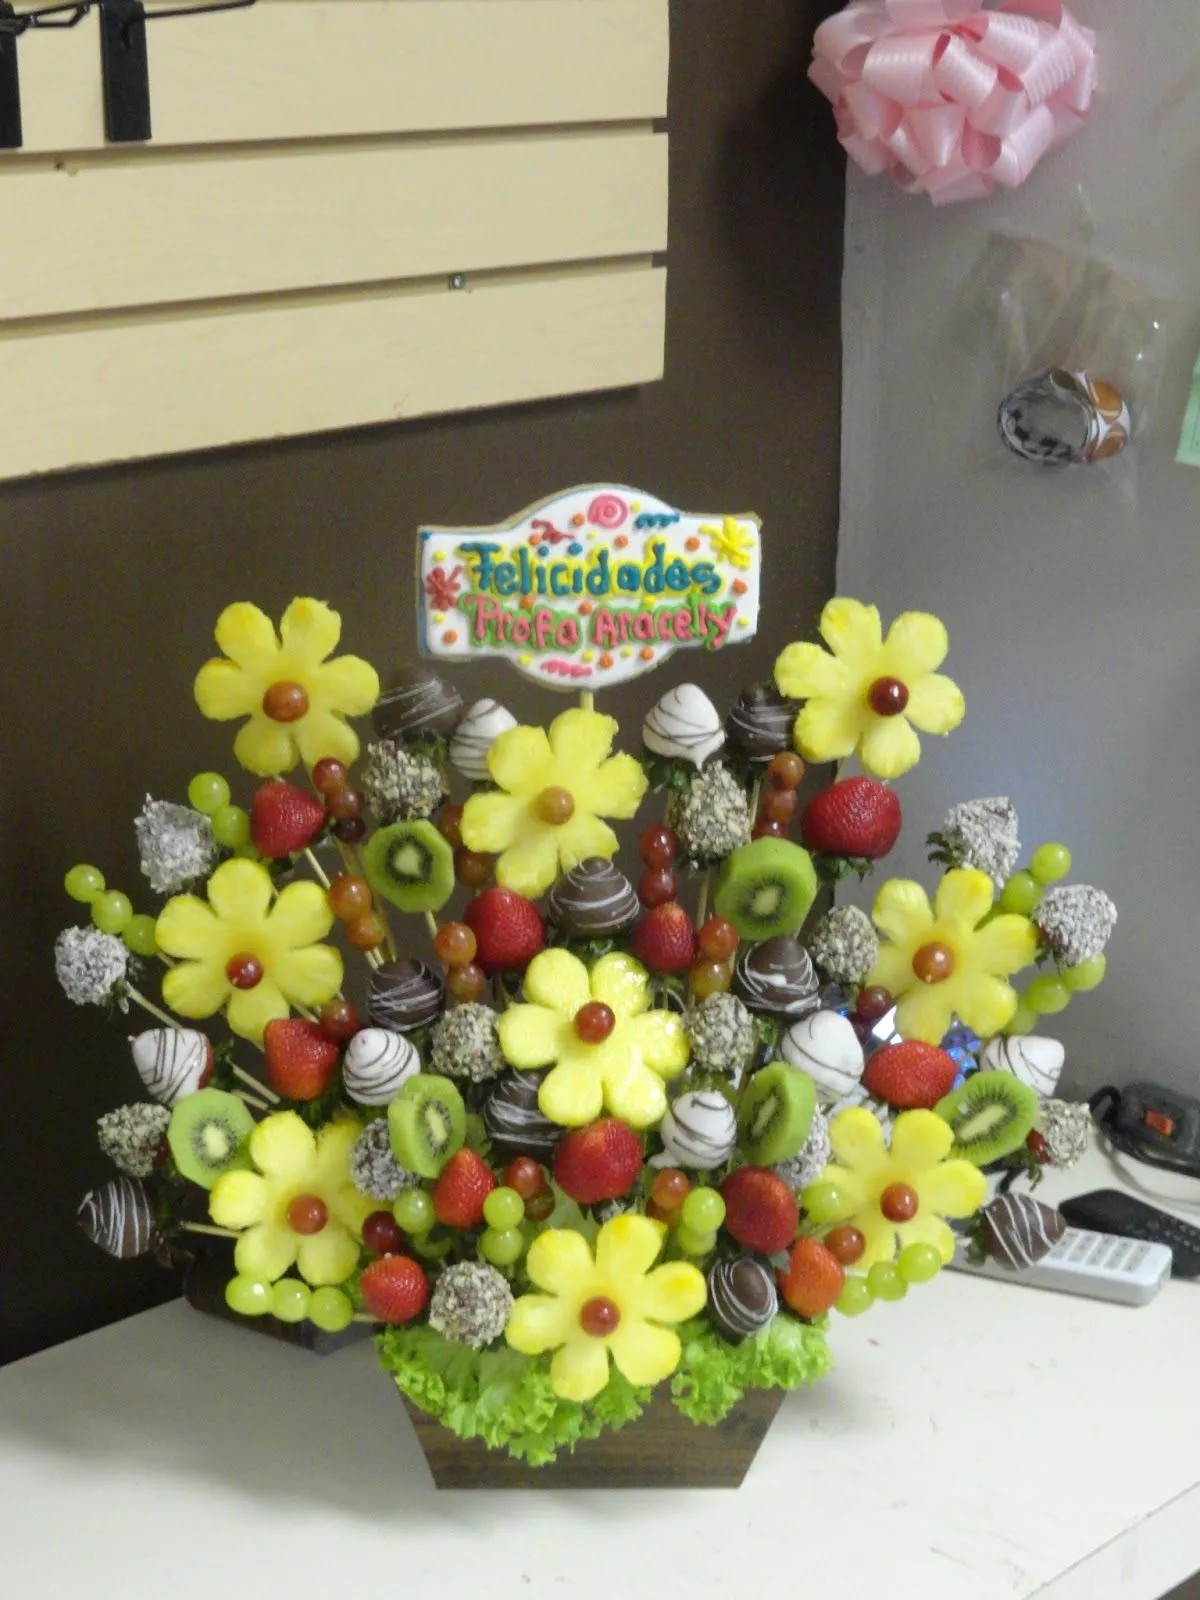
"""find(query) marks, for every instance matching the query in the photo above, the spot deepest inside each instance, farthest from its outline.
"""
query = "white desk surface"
(977, 1441)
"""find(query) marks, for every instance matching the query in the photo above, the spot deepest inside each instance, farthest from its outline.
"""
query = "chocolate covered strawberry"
(857, 820)
(599, 1162)
(284, 819)
(508, 930)
(910, 1075)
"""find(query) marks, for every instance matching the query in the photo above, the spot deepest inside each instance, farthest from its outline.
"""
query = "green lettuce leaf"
(713, 1375)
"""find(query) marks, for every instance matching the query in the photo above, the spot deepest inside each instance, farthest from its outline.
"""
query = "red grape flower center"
(594, 1022)
(599, 1316)
(887, 697)
(244, 971)
(934, 963)
(285, 702)
(556, 806)
(307, 1213)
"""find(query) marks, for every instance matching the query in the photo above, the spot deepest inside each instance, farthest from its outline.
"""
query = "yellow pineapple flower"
(852, 1189)
(297, 700)
(295, 1165)
(242, 953)
(610, 1305)
(556, 789)
(562, 1025)
(871, 692)
(949, 960)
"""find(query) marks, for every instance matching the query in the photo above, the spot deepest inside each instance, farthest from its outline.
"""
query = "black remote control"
(1110, 1211)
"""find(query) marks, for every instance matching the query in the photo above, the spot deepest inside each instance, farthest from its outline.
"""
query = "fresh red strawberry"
(857, 817)
(665, 939)
(599, 1162)
(812, 1279)
(394, 1289)
(760, 1210)
(458, 1195)
(910, 1075)
(300, 1057)
(284, 819)
(508, 931)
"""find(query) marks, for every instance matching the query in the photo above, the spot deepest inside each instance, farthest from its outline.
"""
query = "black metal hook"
(69, 13)
(123, 58)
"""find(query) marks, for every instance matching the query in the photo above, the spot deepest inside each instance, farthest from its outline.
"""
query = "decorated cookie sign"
(590, 588)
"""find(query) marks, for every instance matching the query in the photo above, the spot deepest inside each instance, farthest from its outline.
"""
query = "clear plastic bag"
(1071, 354)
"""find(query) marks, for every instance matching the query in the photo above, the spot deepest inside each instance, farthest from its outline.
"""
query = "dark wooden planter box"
(661, 1450)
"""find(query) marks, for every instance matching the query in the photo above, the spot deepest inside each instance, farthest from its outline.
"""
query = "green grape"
(249, 1297)
(1024, 1020)
(919, 1263)
(290, 1300)
(1047, 995)
(248, 851)
(825, 1202)
(84, 883)
(502, 1246)
(504, 1209)
(1087, 975)
(1050, 863)
(432, 1249)
(414, 1211)
(885, 1282)
(111, 911)
(693, 1243)
(1021, 894)
(140, 936)
(856, 1297)
(330, 1310)
(231, 826)
(703, 1210)
(208, 792)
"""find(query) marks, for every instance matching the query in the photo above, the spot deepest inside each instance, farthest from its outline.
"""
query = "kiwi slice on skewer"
(410, 864)
(427, 1122)
(766, 888)
(207, 1135)
(991, 1115)
(775, 1115)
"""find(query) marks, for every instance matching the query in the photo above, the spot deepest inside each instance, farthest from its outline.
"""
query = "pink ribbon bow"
(951, 99)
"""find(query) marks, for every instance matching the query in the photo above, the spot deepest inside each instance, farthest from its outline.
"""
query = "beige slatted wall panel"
(201, 379)
(311, 69)
(277, 261)
(288, 219)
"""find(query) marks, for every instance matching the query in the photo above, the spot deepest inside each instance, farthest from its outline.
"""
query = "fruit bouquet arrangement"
(576, 1138)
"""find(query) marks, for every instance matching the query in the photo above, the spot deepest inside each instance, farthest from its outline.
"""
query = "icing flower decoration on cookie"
(241, 952)
(299, 1205)
(555, 791)
(597, 1032)
(895, 1196)
(609, 1305)
(733, 543)
(868, 693)
(297, 699)
(948, 960)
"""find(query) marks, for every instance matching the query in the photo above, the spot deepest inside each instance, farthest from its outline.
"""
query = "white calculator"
(1102, 1266)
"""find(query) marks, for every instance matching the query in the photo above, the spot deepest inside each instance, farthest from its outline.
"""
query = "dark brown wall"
(112, 581)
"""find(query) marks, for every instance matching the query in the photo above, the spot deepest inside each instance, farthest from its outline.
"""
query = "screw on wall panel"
(458, 280)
